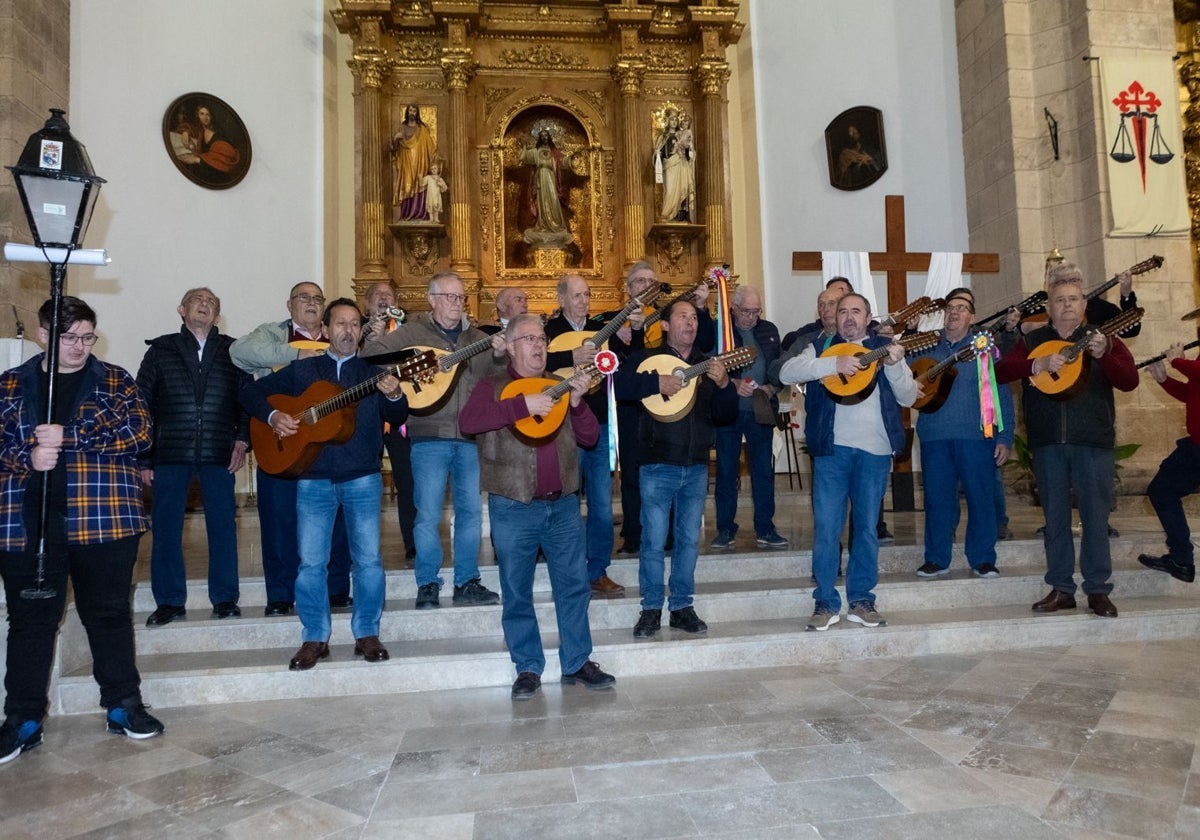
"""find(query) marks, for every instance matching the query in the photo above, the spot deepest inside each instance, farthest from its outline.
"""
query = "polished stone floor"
(1090, 741)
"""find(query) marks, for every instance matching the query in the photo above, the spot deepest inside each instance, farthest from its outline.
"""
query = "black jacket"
(193, 402)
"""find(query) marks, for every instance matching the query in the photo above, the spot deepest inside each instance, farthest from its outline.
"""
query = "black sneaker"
(687, 621)
(427, 597)
(630, 548)
(1185, 572)
(18, 736)
(648, 624)
(526, 685)
(475, 594)
(772, 540)
(132, 719)
(986, 570)
(590, 676)
(884, 536)
(722, 541)
(341, 602)
(931, 570)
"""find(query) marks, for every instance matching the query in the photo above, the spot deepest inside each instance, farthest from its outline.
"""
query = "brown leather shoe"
(1054, 602)
(370, 649)
(1101, 605)
(606, 587)
(308, 655)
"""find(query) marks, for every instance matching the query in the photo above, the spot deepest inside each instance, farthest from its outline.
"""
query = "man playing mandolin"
(1072, 439)
(533, 500)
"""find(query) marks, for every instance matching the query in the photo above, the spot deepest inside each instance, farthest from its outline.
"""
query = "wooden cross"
(897, 262)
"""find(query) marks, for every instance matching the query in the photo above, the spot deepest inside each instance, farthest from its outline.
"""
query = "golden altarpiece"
(514, 142)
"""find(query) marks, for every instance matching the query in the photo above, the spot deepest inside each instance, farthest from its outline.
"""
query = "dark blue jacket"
(820, 408)
(767, 336)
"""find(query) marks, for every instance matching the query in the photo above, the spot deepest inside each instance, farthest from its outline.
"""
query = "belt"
(549, 497)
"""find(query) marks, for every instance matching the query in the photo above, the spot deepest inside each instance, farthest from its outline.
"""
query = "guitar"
(427, 395)
(1162, 356)
(653, 337)
(537, 430)
(937, 378)
(670, 409)
(1141, 268)
(1036, 302)
(1070, 377)
(326, 416)
(921, 306)
(599, 338)
(854, 388)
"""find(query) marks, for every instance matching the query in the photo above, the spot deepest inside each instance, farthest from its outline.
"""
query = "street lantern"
(58, 190)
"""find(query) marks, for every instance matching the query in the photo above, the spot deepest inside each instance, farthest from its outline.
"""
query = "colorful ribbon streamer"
(720, 275)
(991, 419)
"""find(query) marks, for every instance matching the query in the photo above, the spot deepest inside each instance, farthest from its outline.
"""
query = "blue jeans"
(317, 503)
(686, 487)
(168, 580)
(595, 479)
(1089, 471)
(946, 464)
(517, 531)
(860, 478)
(433, 461)
(762, 473)
(1177, 476)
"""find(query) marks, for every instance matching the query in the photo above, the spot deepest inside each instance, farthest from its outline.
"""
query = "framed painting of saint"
(856, 148)
(207, 141)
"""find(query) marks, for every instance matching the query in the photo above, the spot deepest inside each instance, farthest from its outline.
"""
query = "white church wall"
(250, 243)
(812, 60)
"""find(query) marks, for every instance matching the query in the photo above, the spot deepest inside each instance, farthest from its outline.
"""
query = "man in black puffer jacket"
(200, 429)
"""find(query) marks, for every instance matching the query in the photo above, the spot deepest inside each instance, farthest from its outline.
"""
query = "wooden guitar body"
(668, 409)
(570, 341)
(1070, 377)
(936, 388)
(428, 396)
(534, 429)
(291, 456)
(852, 389)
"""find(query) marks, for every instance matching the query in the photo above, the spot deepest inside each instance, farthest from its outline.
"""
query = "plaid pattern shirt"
(110, 426)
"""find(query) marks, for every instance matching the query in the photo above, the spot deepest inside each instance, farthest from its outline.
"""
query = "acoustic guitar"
(1036, 302)
(537, 430)
(937, 378)
(1069, 379)
(1150, 264)
(427, 395)
(672, 408)
(923, 305)
(851, 389)
(326, 415)
(1162, 356)
(599, 338)
(652, 331)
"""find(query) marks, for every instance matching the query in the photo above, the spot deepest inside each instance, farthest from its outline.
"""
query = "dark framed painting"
(207, 141)
(856, 148)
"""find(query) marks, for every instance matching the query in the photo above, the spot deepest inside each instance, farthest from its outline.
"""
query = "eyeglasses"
(319, 300)
(450, 296)
(71, 339)
(959, 307)
(532, 339)
(211, 301)
(753, 313)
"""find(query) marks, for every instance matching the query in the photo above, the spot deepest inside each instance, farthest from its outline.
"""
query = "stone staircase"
(756, 605)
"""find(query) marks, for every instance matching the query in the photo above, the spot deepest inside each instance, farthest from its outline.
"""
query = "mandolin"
(599, 338)
(921, 306)
(1039, 317)
(854, 388)
(1036, 302)
(537, 430)
(1162, 356)
(427, 395)
(1069, 379)
(326, 415)
(672, 408)
(937, 378)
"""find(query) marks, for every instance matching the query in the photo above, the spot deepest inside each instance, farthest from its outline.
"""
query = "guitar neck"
(1122, 322)
(948, 362)
(462, 354)
(610, 329)
(1162, 356)
(1102, 288)
(352, 394)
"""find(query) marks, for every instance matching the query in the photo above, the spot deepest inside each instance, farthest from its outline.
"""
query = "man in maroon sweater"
(1179, 474)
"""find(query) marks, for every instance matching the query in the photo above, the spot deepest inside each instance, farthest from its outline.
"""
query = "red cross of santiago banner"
(1140, 110)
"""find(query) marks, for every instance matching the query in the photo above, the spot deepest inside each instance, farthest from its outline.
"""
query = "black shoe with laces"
(526, 685)
(648, 624)
(131, 719)
(475, 594)
(590, 676)
(165, 614)
(1185, 572)
(687, 621)
(18, 736)
(427, 597)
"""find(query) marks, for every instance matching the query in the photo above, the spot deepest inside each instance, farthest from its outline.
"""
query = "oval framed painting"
(207, 141)
(856, 148)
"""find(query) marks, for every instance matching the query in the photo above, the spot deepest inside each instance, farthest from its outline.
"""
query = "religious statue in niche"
(675, 164)
(855, 146)
(414, 152)
(547, 198)
(434, 185)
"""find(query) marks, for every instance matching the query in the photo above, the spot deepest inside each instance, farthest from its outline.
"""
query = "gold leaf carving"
(598, 101)
(666, 58)
(541, 55)
(418, 51)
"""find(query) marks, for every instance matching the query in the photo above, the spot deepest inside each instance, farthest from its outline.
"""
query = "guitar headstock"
(907, 313)
(650, 295)
(1036, 302)
(935, 305)
(920, 341)
(739, 357)
(420, 368)
(1147, 265)
(1123, 321)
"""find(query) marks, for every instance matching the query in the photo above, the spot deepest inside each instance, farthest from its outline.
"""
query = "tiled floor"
(1096, 741)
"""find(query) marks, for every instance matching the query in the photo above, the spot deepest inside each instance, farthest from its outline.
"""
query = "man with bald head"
(510, 302)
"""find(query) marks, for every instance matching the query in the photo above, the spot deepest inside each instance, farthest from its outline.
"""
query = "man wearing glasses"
(269, 347)
(200, 430)
(441, 452)
(757, 407)
(88, 456)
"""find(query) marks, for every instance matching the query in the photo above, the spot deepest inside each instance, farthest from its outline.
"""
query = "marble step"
(717, 601)
(712, 566)
(752, 624)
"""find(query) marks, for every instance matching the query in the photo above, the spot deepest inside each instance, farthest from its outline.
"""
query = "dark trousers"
(628, 418)
(1088, 470)
(280, 550)
(167, 577)
(102, 578)
(1178, 476)
(399, 450)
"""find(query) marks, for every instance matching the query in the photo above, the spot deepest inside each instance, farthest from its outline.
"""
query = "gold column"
(458, 67)
(368, 66)
(713, 76)
(628, 74)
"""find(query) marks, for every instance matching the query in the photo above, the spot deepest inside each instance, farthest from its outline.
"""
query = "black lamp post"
(58, 190)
